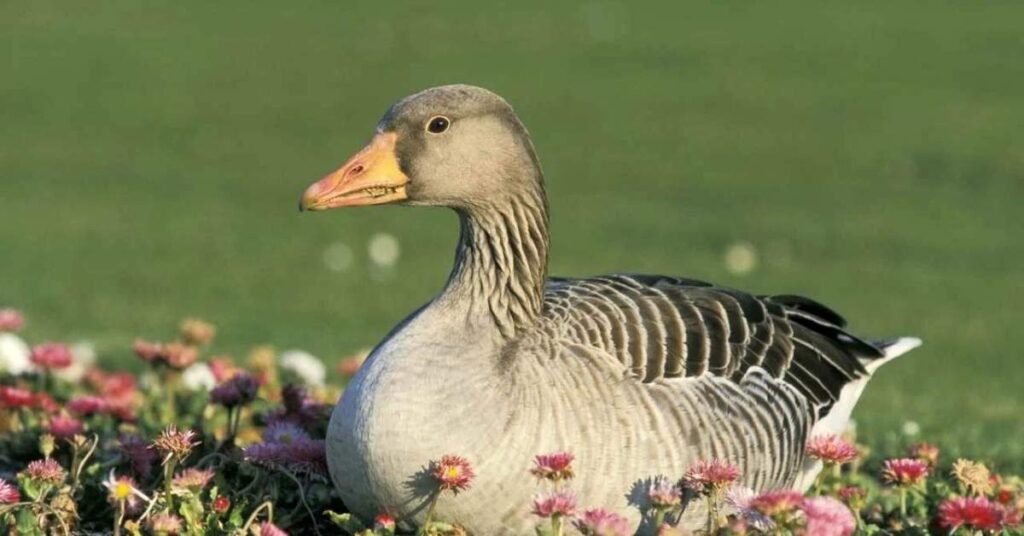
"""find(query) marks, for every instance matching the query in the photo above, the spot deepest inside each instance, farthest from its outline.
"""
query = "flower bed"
(208, 445)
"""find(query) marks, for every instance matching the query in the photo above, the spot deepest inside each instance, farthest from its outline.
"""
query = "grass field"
(151, 158)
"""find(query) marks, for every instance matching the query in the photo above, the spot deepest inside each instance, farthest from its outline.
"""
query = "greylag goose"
(638, 375)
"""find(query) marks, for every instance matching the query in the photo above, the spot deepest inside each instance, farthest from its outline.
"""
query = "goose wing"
(666, 327)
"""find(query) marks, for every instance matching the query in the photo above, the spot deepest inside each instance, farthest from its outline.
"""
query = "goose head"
(456, 146)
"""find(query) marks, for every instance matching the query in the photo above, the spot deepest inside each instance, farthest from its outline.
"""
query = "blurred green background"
(152, 155)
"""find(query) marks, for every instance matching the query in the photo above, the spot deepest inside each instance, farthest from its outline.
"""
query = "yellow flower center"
(122, 491)
(453, 472)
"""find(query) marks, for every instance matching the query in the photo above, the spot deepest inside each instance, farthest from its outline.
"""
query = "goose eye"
(438, 124)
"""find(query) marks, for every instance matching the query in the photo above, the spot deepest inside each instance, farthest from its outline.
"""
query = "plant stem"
(430, 513)
(903, 501)
(712, 512)
(120, 518)
(556, 525)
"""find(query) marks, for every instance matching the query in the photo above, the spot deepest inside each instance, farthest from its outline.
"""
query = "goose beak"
(371, 177)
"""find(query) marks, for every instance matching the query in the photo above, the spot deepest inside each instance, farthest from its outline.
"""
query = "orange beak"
(371, 177)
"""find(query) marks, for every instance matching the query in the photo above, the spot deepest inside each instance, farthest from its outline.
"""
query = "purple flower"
(239, 390)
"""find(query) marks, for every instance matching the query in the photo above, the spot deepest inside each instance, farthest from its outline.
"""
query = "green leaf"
(346, 522)
(27, 524)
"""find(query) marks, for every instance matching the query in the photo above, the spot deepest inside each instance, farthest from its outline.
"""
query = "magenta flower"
(904, 471)
(453, 473)
(51, 355)
(826, 516)
(86, 405)
(977, 513)
(777, 503)
(8, 493)
(193, 479)
(46, 471)
(831, 449)
(561, 503)
(11, 320)
(15, 397)
(853, 496)
(269, 529)
(64, 427)
(711, 476)
(556, 466)
(601, 522)
(239, 390)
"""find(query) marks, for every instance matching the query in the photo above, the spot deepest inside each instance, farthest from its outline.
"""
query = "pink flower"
(197, 332)
(742, 499)
(556, 466)
(8, 493)
(11, 320)
(14, 397)
(51, 355)
(978, 513)
(193, 479)
(777, 503)
(384, 522)
(853, 496)
(831, 449)
(926, 452)
(165, 524)
(711, 476)
(827, 517)
(223, 368)
(453, 473)
(240, 389)
(664, 494)
(64, 427)
(121, 489)
(270, 529)
(46, 471)
(904, 471)
(561, 503)
(601, 522)
(86, 405)
(147, 351)
(175, 442)
(174, 354)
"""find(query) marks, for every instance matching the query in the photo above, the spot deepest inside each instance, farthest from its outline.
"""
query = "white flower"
(306, 366)
(199, 377)
(911, 428)
(83, 357)
(338, 257)
(14, 354)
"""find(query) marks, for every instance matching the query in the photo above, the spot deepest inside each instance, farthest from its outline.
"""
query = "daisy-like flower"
(179, 356)
(384, 522)
(973, 476)
(269, 529)
(831, 449)
(175, 442)
(193, 479)
(826, 516)
(926, 452)
(199, 377)
(64, 427)
(555, 467)
(15, 397)
(304, 366)
(453, 473)
(197, 332)
(46, 471)
(165, 524)
(711, 476)
(121, 489)
(664, 494)
(11, 320)
(14, 354)
(51, 355)
(601, 522)
(741, 499)
(86, 405)
(561, 503)
(8, 493)
(239, 390)
(904, 472)
(777, 504)
(978, 513)
(853, 496)
(284, 432)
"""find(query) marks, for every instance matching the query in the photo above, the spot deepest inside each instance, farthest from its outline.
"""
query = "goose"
(637, 375)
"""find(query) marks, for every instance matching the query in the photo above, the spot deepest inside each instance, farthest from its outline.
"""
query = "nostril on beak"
(356, 170)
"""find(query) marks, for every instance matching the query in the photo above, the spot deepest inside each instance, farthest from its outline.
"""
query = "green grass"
(151, 157)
